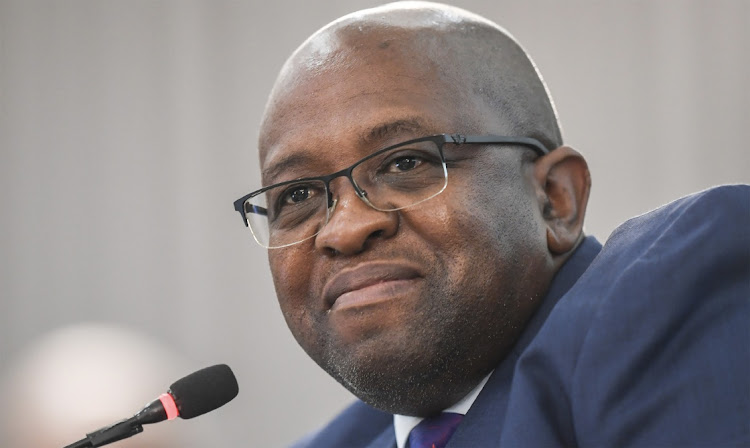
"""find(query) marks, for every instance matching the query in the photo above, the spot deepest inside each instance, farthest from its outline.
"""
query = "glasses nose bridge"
(347, 173)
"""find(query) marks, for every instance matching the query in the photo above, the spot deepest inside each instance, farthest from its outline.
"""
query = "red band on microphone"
(170, 406)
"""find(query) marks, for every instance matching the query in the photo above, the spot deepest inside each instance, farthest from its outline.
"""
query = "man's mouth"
(368, 283)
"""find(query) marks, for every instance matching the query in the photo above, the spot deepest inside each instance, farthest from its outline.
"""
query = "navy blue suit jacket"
(644, 342)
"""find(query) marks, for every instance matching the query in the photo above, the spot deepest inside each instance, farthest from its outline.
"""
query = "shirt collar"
(403, 424)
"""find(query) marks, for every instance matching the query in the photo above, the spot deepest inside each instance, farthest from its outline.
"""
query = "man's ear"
(563, 183)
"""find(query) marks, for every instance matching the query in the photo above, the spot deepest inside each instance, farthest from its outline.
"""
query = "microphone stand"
(152, 413)
(112, 433)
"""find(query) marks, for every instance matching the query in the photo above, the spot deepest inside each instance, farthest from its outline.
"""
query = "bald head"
(473, 62)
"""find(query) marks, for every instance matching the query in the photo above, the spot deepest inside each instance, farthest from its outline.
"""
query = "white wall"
(127, 128)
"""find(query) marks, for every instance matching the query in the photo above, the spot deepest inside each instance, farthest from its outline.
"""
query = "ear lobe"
(564, 184)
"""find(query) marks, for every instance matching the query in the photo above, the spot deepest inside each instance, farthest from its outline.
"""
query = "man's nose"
(353, 225)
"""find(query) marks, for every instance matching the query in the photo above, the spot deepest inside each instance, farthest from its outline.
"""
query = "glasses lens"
(287, 214)
(402, 176)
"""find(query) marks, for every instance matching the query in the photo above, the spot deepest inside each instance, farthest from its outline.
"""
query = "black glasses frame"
(439, 139)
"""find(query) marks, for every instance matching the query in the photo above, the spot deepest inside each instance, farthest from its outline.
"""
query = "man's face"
(408, 309)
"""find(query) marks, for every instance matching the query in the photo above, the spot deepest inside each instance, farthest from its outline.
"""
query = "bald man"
(423, 221)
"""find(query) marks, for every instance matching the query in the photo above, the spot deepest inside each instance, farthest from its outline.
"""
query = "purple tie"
(434, 432)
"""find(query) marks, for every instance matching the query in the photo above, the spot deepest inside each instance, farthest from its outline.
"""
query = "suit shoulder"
(723, 206)
(670, 292)
(649, 347)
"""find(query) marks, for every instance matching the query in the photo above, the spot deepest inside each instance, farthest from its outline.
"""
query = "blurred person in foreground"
(79, 378)
(424, 226)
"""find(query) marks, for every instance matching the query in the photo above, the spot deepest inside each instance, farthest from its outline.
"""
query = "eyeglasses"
(390, 179)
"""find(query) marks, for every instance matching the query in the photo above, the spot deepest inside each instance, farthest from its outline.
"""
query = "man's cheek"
(289, 275)
(298, 320)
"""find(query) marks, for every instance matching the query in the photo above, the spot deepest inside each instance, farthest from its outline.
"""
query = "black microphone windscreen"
(204, 390)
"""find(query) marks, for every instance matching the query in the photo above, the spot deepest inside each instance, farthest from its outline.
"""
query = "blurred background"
(127, 128)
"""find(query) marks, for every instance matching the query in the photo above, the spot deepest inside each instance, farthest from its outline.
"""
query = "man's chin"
(411, 397)
(400, 383)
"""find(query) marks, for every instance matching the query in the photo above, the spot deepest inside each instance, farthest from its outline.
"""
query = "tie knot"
(434, 432)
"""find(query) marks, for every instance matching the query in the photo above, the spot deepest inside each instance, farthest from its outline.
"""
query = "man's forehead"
(345, 73)
(363, 101)
(369, 137)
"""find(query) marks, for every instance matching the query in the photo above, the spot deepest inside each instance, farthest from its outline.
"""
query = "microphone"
(194, 395)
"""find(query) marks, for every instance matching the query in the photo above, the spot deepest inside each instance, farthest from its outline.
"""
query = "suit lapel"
(483, 424)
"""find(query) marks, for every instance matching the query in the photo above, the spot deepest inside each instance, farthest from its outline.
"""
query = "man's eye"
(295, 195)
(406, 163)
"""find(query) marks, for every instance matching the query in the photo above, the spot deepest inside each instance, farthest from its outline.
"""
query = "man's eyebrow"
(285, 163)
(392, 128)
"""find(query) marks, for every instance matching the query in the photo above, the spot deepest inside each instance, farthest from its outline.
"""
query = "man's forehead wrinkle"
(392, 128)
(285, 162)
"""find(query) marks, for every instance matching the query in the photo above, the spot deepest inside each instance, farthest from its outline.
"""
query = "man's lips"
(367, 283)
